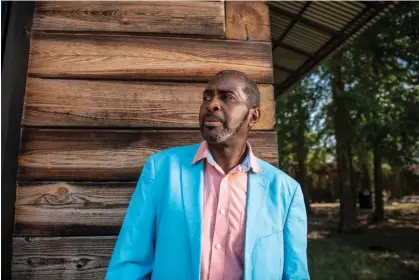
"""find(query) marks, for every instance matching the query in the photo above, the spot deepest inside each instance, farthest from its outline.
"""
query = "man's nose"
(213, 104)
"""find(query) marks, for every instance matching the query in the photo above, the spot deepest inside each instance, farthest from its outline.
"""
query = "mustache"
(213, 117)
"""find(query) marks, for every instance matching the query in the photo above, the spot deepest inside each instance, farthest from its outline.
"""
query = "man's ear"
(254, 116)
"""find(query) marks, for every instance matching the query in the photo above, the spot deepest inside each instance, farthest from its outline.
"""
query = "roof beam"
(294, 49)
(333, 44)
(290, 26)
(372, 4)
(320, 27)
(282, 68)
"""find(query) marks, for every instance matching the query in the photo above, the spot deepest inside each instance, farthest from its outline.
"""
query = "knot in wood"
(29, 239)
(62, 191)
(81, 263)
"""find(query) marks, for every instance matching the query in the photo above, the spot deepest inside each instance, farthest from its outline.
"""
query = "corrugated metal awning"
(304, 33)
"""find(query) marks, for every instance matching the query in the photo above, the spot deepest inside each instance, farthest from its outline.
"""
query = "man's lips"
(212, 121)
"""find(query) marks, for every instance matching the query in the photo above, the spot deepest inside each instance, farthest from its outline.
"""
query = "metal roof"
(304, 33)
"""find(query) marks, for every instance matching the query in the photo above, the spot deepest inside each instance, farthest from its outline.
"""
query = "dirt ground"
(389, 250)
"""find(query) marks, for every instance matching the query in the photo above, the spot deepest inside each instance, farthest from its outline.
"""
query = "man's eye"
(207, 97)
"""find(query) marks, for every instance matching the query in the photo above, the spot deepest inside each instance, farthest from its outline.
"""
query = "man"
(214, 210)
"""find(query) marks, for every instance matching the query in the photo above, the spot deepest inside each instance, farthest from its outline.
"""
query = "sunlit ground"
(386, 251)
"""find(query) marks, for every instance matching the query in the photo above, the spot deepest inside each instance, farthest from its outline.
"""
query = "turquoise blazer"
(160, 236)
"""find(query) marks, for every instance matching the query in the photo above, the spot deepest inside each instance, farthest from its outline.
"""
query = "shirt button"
(223, 211)
(218, 246)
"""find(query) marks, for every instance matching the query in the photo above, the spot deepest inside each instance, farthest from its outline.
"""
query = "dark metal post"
(15, 56)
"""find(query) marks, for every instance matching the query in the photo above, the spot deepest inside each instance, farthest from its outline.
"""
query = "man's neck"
(228, 155)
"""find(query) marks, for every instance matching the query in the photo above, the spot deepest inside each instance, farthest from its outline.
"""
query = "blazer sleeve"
(133, 255)
(295, 239)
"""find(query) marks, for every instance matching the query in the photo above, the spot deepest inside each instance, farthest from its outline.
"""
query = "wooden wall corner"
(247, 21)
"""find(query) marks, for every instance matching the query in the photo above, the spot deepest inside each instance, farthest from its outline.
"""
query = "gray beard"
(224, 134)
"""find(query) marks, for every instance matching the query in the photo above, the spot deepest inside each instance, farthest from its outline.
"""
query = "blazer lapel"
(192, 192)
(256, 198)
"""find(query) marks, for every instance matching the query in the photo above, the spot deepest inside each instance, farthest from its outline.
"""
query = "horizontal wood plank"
(52, 102)
(130, 57)
(61, 257)
(191, 18)
(71, 208)
(78, 154)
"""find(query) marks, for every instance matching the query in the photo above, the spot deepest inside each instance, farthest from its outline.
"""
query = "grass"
(409, 207)
(387, 251)
(329, 259)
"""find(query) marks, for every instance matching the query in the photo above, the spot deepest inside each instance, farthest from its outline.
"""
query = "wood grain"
(56, 102)
(66, 208)
(247, 20)
(97, 155)
(190, 18)
(130, 57)
(61, 257)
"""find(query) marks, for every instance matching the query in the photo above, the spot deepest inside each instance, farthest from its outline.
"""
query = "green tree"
(385, 80)
(342, 124)
(294, 127)
(361, 109)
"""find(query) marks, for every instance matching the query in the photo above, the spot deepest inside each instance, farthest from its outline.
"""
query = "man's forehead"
(226, 83)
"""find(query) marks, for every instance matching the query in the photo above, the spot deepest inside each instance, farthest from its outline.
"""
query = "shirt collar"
(248, 163)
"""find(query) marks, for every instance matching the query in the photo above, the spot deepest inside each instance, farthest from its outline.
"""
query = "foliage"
(380, 73)
(305, 99)
(383, 71)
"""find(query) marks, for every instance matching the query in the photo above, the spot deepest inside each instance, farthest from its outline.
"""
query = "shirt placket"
(219, 241)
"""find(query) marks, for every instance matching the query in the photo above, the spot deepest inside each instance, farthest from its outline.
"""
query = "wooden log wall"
(109, 84)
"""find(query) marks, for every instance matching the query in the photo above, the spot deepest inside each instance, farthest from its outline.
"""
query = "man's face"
(224, 111)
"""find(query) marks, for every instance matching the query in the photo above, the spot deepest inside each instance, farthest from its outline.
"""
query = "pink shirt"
(224, 211)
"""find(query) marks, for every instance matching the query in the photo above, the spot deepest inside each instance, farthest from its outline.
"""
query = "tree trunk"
(378, 186)
(302, 152)
(396, 188)
(354, 177)
(301, 178)
(365, 197)
(348, 220)
(366, 181)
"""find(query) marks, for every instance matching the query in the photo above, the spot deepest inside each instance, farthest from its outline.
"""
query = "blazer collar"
(250, 161)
